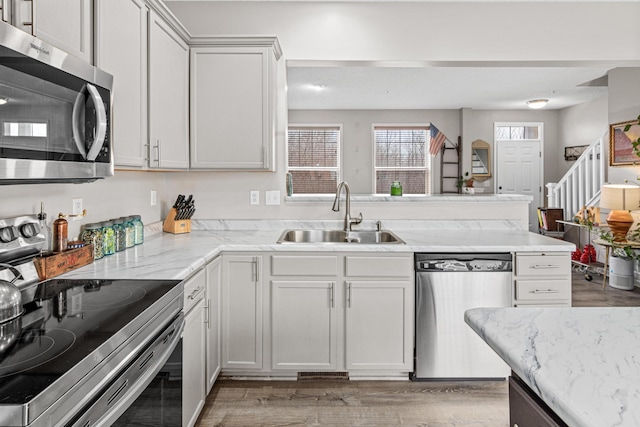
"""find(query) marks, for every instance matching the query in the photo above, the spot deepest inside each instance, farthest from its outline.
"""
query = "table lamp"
(620, 199)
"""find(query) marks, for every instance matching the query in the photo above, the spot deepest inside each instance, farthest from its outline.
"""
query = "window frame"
(428, 161)
(339, 165)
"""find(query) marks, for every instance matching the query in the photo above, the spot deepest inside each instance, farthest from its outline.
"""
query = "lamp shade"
(620, 197)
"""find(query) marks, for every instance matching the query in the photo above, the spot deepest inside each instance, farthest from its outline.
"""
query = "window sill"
(384, 198)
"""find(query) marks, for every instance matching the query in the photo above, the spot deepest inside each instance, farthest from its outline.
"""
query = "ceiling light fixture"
(3, 100)
(537, 103)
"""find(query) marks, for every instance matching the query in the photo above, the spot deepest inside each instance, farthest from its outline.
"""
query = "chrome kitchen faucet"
(348, 221)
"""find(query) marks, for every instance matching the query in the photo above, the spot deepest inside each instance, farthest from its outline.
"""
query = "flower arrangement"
(465, 180)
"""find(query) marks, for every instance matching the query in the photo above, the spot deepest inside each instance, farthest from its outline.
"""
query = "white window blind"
(313, 158)
(402, 154)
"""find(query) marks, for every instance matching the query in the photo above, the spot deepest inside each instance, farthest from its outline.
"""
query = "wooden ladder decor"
(450, 166)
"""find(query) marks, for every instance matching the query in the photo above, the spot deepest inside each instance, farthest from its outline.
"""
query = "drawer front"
(379, 266)
(194, 290)
(543, 290)
(300, 265)
(543, 265)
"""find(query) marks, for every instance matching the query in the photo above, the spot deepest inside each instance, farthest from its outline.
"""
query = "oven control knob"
(8, 234)
(29, 229)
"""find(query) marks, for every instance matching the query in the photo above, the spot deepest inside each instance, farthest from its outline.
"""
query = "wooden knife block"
(171, 225)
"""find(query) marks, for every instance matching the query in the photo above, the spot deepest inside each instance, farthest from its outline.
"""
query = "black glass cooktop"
(64, 323)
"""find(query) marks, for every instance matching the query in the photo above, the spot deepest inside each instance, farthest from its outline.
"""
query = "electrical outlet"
(255, 197)
(76, 209)
(154, 198)
(272, 197)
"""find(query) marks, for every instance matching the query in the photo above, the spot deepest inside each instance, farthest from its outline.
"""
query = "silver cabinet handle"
(543, 266)
(157, 149)
(206, 313)
(333, 294)
(545, 291)
(195, 292)
(349, 294)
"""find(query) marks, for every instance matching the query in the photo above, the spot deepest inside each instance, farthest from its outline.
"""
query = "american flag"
(437, 139)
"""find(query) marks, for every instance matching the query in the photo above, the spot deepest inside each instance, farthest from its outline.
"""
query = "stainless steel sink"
(339, 236)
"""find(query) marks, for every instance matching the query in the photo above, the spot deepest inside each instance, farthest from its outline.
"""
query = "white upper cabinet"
(233, 104)
(121, 50)
(168, 97)
(66, 24)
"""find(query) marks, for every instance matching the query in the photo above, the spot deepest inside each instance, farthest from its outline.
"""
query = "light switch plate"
(272, 197)
(154, 198)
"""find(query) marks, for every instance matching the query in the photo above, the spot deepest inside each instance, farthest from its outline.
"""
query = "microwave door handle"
(75, 122)
(101, 123)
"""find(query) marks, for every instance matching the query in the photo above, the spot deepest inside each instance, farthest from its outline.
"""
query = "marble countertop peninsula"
(177, 256)
(582, 362)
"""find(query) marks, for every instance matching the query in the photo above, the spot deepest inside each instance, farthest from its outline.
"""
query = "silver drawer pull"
(544, 291)
(196, 291)
(543, 266)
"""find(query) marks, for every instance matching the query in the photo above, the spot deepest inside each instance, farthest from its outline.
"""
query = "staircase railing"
(581, 185)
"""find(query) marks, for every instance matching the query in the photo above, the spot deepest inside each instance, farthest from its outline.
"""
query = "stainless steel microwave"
(55, 112)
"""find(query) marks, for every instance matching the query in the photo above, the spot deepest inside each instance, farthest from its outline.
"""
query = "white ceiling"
(363, 86)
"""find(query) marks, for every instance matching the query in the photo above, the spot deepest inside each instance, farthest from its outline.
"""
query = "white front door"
(518, 172)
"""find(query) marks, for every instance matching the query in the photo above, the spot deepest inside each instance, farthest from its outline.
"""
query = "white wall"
(127, 193)
(581, 124)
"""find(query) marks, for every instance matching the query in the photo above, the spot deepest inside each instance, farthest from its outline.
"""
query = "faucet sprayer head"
(336, 204)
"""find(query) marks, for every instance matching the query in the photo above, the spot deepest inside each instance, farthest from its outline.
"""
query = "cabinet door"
(66, 24)
(242, 312)
(193, 364)
(379, 325)
(121, 50)
(232, 113)
(214, 271)
(303, 325)
(168, 97)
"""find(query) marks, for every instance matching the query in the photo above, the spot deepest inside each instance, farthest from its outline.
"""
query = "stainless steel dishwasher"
(446, 286)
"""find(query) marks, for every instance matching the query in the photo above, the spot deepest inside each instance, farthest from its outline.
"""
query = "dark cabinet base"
(526, 409)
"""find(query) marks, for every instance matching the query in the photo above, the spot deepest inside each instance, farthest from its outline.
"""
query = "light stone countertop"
(177, 256)
(583, 362)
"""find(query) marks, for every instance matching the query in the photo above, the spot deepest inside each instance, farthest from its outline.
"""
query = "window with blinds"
(313, 158)
(402, 154)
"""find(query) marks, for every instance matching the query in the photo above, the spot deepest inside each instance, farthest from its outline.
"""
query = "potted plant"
(465, 181)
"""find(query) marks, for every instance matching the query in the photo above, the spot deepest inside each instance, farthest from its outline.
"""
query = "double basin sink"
(339, 236)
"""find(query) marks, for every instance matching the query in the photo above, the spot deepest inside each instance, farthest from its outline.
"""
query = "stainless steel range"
(83, 350)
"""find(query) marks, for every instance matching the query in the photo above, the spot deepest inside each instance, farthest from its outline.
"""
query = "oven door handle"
(111, 405)
(101, 122)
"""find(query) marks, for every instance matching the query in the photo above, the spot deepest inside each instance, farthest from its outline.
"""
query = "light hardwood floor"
(380, 403)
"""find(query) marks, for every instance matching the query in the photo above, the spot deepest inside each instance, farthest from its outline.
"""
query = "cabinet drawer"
(194, 290)
(543, 265)
(528, 290)
(300, 265)
(379, 266)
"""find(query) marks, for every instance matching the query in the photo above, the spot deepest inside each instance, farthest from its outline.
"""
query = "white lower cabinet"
(379, 325)
(193, 349)
(322, 320)
(542, 279)
(214, 276)
(303, 325)
(242, 312)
